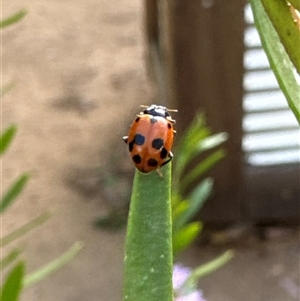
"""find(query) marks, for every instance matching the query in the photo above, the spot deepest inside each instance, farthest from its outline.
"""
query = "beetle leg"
(170, 157)
(159, 172)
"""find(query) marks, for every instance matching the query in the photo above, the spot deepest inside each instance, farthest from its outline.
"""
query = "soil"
(79, 74)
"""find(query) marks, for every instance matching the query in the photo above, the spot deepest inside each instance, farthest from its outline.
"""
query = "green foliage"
(280, 39)
(6, 138)
(52, 266)
(15, 189)
(191, 283)
(9, 258)
(280, 15)
(12, 236)
(16, 279)
(197, 140)
(13, 283)
(148, 255)
(13, 18)
(185, 235)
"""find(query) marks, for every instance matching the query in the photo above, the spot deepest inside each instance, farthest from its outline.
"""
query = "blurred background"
(81, 70)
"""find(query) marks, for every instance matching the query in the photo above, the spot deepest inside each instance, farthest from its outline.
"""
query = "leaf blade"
(9, 258)
(13, 18)
(183, 238)
(196, 200)
(280, 15)
(278, 58)
(7, 137)
(13, 284)
(24, 229)
(148, 255)
(52, 266)
(13, 192)
(204, 166)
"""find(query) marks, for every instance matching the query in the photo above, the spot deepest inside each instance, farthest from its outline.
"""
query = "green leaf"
(148, 252)
(201, 168)
(24, 229)
(186, 146)
(197, 199)
(13, 19)
(280, 15)
(6, 138)
(183, 237)
(199, 145)
(280, 63)
(9, 258)
(12, 193)
(179, 208)
(12, 286)
(53, 266)
(191, 283)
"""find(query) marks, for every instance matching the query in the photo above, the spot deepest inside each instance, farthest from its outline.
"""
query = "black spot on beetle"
(139, 139)
(137, 119)
(152, 162)
(137, 159)
(153, 120)
(157, 143)
(163, 153)
(131, 144)
(169, 126)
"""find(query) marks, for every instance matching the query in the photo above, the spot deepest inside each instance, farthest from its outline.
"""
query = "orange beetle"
(150, 138)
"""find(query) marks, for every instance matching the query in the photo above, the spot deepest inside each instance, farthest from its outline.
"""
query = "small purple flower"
(180, 275)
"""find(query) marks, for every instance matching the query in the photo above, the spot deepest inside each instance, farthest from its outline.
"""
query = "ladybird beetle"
(150, 138)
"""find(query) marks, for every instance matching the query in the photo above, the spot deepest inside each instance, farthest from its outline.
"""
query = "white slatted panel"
(271, 132)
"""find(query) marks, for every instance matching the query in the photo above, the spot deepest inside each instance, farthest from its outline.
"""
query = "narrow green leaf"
(282, 19)
(206, 269)
(7, 137)
(12, 193)
(53, 266)
(12, 286)
(148, 253)
(24, 229)
(280, 63)
(196, 201)
(196, 131)
(198, 147)
(179, 209)
(183, 237)
(9, 258)
(201, 168)
(13, 19)
(185, 146)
